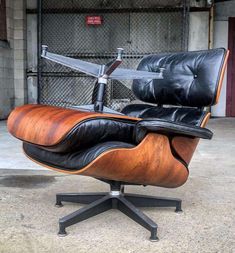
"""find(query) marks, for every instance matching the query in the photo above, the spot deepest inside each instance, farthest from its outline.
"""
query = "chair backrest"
(190, 78)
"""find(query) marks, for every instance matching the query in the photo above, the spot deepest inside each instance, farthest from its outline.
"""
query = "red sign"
(94, 20)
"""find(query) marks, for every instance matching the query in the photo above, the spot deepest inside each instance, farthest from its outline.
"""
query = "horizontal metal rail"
(163, 9)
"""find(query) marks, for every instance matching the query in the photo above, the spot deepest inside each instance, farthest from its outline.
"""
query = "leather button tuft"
(195, 76)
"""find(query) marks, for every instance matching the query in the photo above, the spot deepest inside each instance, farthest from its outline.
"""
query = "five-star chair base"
(116, 198)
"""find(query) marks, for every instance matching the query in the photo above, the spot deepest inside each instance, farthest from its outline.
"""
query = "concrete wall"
(223, 11)
(198, 31)
(13, 59)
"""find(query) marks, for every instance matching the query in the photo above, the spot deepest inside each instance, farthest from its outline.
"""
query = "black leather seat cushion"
(73, 160)
(192, 116)
(92, 131)
(190, 78)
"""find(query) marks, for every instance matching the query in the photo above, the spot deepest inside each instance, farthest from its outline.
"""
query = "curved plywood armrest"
(169, 127)
(48, 125)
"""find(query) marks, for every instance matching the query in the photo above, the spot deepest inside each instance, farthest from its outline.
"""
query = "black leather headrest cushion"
(190, 78)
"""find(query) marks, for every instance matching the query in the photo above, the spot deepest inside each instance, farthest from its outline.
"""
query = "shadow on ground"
(35, 181)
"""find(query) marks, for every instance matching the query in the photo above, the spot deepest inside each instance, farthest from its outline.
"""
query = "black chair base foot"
(117, 199)
(154, 239)
(62, 232)
(62, 235)
(59, 205)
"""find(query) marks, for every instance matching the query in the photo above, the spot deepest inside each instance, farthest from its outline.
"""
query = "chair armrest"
(168, 127)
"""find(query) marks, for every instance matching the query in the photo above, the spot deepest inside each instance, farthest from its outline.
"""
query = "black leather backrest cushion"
(190, 78)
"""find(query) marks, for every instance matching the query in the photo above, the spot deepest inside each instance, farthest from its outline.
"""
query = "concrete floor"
(28, 218)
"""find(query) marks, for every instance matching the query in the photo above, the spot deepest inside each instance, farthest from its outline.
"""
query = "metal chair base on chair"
(116, 198)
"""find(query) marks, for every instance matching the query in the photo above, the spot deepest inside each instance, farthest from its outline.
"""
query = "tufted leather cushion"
(190, 78)
(191, 116)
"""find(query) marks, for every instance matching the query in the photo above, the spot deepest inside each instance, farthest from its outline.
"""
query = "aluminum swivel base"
(116, 198)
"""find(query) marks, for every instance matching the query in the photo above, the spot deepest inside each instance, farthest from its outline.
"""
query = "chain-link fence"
(139, 26)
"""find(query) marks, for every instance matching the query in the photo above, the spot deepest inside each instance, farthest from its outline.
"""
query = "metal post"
(104, 73)
(99, 103)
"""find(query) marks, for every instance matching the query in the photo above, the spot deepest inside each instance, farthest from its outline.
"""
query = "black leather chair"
(145, 145)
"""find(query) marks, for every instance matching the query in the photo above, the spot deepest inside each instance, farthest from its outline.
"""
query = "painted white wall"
(221, 40)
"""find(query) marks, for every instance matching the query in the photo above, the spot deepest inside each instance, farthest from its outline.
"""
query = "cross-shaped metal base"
(116, 198)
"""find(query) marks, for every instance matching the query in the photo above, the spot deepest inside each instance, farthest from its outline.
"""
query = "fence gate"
(92, 30)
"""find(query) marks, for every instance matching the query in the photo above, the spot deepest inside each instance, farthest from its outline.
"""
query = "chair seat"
(64, 130)
(187, 115)
(73, 160)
